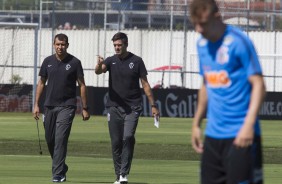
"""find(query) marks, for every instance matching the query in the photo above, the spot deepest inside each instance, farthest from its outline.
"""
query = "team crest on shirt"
(131, 65)
(222, 55)
(68, 66)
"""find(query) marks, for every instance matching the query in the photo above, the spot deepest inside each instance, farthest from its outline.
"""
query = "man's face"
(60, 47)
(203, 22)
(120, 47)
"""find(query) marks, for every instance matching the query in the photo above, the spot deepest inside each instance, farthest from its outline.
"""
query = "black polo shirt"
(124, 77)
(61, 80)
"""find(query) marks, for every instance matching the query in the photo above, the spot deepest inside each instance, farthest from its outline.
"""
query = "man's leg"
(63, 127)
(212, 170)
(130, 125)
(49, 122)
(244, 165)
(115, 123)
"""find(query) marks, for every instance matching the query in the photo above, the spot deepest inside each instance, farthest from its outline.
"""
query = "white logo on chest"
(222, 55)
(131, 65)
(68, 66)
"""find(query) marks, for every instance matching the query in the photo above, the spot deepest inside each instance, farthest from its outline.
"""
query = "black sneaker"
(59, 179)
(66, 168)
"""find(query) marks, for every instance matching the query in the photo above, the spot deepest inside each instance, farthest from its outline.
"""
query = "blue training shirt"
(226, 66)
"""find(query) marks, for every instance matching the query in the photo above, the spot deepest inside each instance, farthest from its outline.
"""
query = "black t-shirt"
(61, 80)
(124, 76)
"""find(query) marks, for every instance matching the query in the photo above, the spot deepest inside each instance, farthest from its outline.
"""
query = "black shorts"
(223, 163)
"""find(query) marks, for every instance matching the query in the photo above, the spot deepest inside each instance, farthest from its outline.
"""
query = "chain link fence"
(140, 14)
(156, 28)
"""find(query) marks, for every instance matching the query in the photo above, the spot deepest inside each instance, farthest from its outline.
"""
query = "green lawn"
(162, 156)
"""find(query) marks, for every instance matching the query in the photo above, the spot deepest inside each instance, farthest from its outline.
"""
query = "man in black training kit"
(61, 70)
(124, 103)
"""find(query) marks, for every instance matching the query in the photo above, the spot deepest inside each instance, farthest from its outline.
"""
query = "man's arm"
(196, 126)
(148, 92)
(83, 95)
(39, 89)
(100, 66)
(246, 134)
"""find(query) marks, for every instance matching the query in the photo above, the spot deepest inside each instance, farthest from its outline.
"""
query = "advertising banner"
(171, 102)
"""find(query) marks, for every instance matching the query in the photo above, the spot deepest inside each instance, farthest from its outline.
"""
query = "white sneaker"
(123, 179)
(116, 182)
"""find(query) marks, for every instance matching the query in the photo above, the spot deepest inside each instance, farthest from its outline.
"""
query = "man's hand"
(245, 136)
(156, 113)
(99, 68)
(196, 139)
(36, 112)
(100, 60)
(85, 115)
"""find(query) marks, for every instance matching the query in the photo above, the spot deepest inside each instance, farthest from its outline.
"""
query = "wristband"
(85, 108)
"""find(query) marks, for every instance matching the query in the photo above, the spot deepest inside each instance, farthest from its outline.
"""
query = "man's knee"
(129, 139)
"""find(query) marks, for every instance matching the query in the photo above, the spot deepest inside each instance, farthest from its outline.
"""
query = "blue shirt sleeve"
(248, 57)
(199, 51)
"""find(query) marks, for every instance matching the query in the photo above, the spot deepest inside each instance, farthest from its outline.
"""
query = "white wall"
(152, 46)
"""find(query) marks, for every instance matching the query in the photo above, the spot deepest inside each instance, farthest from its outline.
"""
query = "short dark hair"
(62, 37)
(120, 36)
(198, 6)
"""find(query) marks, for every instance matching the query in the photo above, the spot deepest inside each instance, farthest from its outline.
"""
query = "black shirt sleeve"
(43, 69)
(142, 69)
(107, 62)
(79, 71)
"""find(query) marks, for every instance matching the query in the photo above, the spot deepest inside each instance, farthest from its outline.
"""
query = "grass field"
(162, 156)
